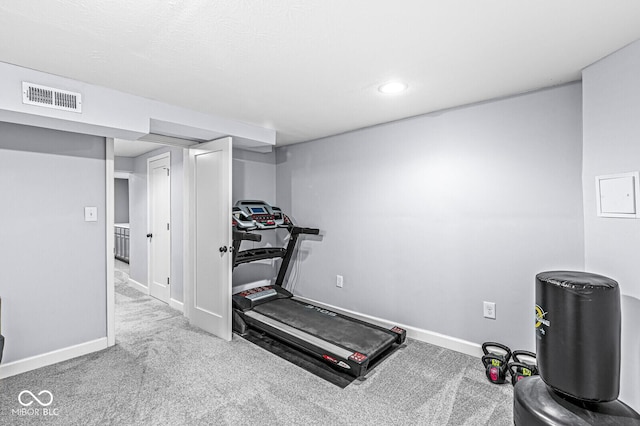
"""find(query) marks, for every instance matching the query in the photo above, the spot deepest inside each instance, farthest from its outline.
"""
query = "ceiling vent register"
(34, 94)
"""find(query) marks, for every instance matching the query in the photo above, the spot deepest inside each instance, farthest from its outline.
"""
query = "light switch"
(90, 214)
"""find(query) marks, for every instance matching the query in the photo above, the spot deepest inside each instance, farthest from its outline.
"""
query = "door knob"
(223, 249)
(149, 235)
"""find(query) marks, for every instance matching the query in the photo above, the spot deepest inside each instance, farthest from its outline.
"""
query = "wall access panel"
(617, 195)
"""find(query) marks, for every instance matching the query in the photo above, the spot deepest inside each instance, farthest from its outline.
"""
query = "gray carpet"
(164, 372)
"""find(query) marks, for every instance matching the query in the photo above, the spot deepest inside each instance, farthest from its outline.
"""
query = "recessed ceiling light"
(393, 87)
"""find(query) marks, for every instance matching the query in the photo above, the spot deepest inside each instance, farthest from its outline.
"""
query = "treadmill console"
(256, 214)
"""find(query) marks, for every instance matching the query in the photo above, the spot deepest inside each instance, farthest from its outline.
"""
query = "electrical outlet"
(489, 310)
(339, 281)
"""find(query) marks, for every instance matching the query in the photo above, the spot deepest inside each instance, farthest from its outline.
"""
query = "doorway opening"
(165, 186)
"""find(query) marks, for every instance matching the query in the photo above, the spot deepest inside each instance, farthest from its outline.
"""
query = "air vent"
(34, 94)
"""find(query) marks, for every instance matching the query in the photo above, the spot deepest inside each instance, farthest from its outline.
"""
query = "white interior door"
(208, 298)
(159, 179)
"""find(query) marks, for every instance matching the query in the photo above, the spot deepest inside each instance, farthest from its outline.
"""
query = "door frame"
(187, 274)
(110, 251)
(162, 156)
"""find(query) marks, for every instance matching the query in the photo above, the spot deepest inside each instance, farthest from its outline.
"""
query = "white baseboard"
(177, 305)
(53, 357)
(140, 287)
(422, 335)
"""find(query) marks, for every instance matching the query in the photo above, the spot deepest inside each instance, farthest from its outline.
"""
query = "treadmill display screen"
(257, 210)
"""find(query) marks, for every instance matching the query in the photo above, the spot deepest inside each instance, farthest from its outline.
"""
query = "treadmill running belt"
(328, 326)
(297, 357)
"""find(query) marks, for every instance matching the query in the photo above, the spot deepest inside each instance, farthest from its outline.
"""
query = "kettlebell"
(496, 363)
(519, 371)
(523, 365)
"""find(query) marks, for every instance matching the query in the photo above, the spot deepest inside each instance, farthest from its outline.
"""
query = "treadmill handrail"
(254, 255)
(308, 231)
(294, 233)
(248, 236)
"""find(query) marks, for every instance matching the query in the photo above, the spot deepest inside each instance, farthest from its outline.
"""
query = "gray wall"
(121, 201)
(53, 279)
(611, 145)
(428, 217)
(254, 177)
(138, 244)
(123, 164)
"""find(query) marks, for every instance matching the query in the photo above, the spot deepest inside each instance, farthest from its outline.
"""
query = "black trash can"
(578, 334)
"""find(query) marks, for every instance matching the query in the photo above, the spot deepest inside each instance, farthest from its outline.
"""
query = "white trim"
(422, 335)
(188, 265)
(110, 249)
(140, 287)
(158, 157)
(122, 175)
(176, 304)
(53, 357)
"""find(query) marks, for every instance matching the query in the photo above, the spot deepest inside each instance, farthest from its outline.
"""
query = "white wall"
(53, 278)
(138, 243)
(428, 217)
(611, 145)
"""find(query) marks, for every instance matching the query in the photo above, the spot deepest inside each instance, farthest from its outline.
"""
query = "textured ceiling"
(311, 68)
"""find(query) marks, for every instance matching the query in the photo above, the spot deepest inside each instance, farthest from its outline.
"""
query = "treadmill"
(347, 344)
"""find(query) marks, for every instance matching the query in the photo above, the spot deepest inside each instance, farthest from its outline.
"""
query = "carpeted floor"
(164, 372)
